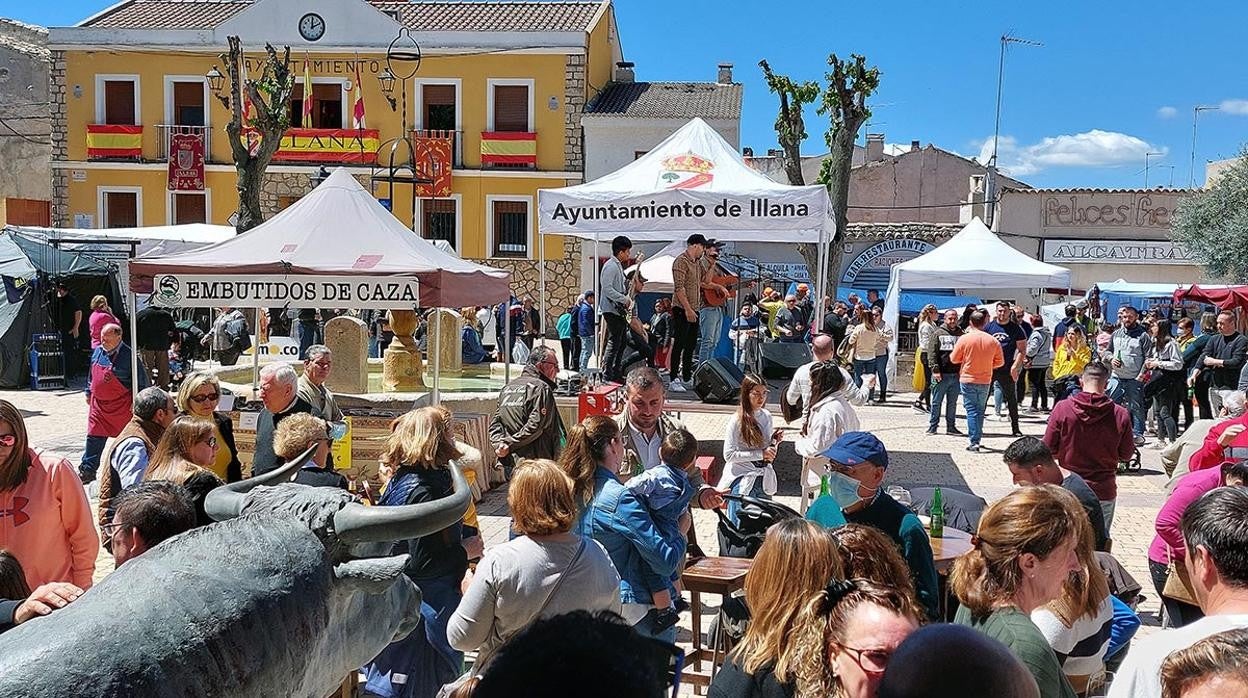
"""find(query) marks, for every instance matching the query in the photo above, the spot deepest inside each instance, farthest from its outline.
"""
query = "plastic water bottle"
(937, 515)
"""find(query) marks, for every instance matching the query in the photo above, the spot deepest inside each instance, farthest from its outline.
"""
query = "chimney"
(914, 146)
(773, 153)
(725, 74)
(747, 151)
(624, 71)
(875, 147)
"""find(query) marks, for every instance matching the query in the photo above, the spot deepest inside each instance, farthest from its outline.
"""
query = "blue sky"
(1113, 80)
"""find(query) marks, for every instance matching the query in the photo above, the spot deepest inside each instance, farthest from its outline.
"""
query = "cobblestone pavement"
(57, 422)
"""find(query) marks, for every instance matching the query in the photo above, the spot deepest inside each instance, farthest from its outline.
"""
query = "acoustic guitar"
(715, 298)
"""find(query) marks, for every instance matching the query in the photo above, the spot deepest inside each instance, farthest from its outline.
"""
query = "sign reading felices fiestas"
(264, 291)
(1107, 210)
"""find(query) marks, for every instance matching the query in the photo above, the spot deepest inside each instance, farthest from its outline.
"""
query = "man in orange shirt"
(978, 353)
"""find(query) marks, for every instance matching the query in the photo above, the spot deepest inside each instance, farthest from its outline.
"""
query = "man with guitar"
(688, 281)
(711, 316)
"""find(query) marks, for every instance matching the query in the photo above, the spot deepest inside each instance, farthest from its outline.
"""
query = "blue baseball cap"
(856, 447)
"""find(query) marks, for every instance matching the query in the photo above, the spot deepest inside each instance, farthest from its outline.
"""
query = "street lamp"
(1146, 157)
(321, 175)
(1196, 110)
(990, 197)
(386, 78)
(216, 81)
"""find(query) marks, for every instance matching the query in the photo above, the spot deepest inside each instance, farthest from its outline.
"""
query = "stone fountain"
(401, 370)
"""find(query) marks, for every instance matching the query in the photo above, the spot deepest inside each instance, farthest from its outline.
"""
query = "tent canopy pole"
(255, 358)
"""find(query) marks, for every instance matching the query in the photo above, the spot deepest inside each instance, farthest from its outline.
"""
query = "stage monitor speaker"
(718, 380)
(782, 359)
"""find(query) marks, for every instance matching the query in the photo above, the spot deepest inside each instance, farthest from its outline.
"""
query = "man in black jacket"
(156, 332)
(527, 423)
(280, 394)
(1223, 358)
(944, 372)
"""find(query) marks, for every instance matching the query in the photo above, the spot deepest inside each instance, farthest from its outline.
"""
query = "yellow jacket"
(1065, 363)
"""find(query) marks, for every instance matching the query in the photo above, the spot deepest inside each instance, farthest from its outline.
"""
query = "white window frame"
(169, 203)
(459, 218)
(101, 210)
(101, 78)
(346, 95)
(489, 224)
(169, 80)
(491, 83)
(419, 121)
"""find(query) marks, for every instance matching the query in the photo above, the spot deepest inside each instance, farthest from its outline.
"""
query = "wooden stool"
(710, 575)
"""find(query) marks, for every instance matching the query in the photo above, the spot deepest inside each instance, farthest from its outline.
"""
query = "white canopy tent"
(152, 241)
(692, 182)
(975, 258)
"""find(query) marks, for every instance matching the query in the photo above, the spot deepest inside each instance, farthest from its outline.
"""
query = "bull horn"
(226, 501)
(356, 523)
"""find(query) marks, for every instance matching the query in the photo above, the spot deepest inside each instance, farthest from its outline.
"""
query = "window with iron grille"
(439, 220)
(511, 229)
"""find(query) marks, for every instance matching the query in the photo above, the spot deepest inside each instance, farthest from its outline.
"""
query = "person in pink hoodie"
(45, 519)
(101, 315)
(1090, 435)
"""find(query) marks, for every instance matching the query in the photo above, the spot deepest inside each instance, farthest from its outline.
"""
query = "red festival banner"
(433, 163)
(343, 145)
(186, 162)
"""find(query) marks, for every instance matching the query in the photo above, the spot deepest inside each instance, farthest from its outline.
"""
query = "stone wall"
(562, 276)
(24, 66)
(574, 87)
(293, 185)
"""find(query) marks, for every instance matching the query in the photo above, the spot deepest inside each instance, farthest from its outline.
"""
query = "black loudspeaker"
(781, 359)
(718, 380)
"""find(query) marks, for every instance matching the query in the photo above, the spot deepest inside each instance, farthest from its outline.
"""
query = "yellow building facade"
(504, 84)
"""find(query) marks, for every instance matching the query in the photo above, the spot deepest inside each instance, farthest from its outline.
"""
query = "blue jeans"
(309, 334)
(862, 367)
(1128, 392)
(975, 401)
(91, 458)
(947, 389)
(587, 350)
(881, 375)
(710, 322)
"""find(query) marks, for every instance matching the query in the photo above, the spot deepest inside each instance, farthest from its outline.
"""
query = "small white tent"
(973, 259)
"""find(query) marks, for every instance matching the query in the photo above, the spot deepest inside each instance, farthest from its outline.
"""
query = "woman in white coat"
(831, 415)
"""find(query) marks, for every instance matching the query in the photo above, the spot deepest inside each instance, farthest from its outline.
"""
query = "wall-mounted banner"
(342, 145)
(186, 162)
(1116, 252)
(347, 292)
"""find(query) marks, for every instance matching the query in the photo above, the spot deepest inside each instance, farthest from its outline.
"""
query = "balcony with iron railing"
(509, 150)
(114, 142)
(165, 131)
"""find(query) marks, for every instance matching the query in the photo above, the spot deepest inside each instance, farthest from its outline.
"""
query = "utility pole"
(1196, 110)
(990, 195)
(1146, 157)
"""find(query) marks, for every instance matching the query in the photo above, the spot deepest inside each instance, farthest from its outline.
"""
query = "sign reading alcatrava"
(347, 292)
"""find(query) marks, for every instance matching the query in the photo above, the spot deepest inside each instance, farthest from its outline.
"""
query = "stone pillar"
(60, 140)
(445, 326)
(347, 338)
(574, 89)
(401, 370)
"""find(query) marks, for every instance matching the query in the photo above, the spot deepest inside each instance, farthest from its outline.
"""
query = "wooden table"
(952, 545)
(710, 575)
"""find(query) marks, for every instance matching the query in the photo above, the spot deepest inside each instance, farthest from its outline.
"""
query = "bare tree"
(269, 117)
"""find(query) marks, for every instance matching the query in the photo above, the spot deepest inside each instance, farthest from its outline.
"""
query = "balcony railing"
(164, 131)
(509, 150)
(114, 142)
(457, 143)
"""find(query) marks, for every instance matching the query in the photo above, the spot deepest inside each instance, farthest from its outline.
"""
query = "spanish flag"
(358, 109)
(307, 94)
(508, 148)
(114, 141)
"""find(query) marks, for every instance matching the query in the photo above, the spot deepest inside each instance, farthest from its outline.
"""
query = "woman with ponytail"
(830, 416)
(750, 446)
(1022, 556)
(616, 518)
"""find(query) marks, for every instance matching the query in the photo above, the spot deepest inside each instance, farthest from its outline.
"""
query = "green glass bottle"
(937, 515)
(823, 485)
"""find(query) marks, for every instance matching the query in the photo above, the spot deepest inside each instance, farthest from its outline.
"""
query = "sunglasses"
(8, 440)
(207, 397)
(211, 441)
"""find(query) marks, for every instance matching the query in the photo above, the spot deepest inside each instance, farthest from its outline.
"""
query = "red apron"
(111, 402)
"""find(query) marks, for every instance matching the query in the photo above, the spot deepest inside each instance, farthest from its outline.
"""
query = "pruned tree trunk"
(269, 118)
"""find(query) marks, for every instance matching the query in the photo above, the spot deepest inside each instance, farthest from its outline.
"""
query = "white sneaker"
(678, 386)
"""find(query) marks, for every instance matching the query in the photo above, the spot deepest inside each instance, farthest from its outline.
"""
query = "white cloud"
(1095, 148)
(1239, 107)
(1167, 113)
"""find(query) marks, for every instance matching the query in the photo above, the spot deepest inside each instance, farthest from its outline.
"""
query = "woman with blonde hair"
(927, 327)
(294, 436)
(1023, 553)
(750, 446)
(185, 451)
(101, 315)
(862, 341)
(545, 571)
(420, 449)
(198, 397)
(1078, 623)
(50, 529)
(796, 560)
(846, 635)
(1068, 362)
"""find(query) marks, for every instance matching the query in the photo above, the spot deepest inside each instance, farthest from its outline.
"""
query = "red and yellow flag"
(358, 109)
(307, 94)
(114, 141)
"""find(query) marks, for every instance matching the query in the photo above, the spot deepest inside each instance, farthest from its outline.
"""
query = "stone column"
(347, 338)
(445, 326)
(401, 369)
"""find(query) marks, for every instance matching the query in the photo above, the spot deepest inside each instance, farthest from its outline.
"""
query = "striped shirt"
(1081, 647)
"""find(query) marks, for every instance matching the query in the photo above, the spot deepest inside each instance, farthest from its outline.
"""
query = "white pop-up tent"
(692, 182)
(973, 259)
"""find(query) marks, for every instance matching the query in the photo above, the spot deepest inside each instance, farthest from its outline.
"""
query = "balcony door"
(189, 107)
(327, 105)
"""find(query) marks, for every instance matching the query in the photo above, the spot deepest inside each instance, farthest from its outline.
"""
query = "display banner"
(266, 291)
(1116, 252)
(341, 145)
(186, 162)
(433, 164)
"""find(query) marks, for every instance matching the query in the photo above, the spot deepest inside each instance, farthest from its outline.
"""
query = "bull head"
(355, 523)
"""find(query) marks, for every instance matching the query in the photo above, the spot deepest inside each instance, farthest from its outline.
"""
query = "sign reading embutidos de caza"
(257, 291)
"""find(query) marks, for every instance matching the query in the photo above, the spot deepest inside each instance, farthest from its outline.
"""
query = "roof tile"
(657, 100)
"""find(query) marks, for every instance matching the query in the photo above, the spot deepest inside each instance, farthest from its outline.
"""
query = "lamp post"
(1146, 157)
(216, 82)
(990, 195)
(1196, 110)
(321, 175)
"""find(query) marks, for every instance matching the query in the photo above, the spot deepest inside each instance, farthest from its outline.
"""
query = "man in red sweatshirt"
(1227, 440)
(1090, 435)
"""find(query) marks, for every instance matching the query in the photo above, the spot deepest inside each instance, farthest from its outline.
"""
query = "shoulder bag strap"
(559, 582)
